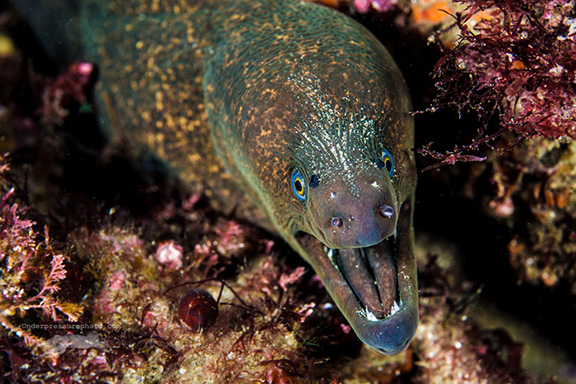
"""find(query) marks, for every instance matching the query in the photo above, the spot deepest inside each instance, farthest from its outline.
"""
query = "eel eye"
(298, 186)
(386, 161)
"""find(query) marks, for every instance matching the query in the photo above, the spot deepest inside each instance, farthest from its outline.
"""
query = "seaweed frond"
(513, 62)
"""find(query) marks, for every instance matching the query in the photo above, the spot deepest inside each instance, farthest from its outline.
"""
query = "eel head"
(357, 234)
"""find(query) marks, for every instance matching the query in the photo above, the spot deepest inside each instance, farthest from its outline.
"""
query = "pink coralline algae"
(69, 88)
(117, 281)
(230, 238)
(364, 6)
(287, 279)
(514, 60)
(169, 254)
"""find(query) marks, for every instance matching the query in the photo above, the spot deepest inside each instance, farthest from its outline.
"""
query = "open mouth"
(374, 287)
(371, 274)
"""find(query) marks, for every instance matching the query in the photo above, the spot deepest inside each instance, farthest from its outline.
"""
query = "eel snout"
(349, 215)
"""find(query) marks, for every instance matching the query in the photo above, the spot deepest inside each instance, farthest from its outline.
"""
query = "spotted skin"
(245, 93)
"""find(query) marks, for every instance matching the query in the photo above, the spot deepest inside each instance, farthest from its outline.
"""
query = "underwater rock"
(533, 193)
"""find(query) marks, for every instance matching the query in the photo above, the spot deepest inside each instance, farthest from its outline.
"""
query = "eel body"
(295, 103)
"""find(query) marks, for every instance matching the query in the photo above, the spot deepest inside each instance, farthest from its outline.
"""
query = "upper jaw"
(374, 287)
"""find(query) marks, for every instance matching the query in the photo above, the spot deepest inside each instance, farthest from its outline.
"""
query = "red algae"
(33, 271)
(513, 60)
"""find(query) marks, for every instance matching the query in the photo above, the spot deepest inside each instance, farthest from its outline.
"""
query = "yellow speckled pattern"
(151, 89)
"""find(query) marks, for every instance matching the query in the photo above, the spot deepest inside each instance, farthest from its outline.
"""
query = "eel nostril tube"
(387, 211)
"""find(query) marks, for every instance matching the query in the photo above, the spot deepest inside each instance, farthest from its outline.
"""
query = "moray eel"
(298, 105)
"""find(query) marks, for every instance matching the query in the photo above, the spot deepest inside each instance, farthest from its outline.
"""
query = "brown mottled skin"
(250, 92)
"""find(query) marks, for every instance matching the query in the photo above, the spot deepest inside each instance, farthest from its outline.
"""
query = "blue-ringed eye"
(298, 186)
(386, 161)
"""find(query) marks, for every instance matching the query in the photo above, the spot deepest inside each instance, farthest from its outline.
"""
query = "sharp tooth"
(395, 308)
(395, 233)
(370, 316)
(331, 255)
